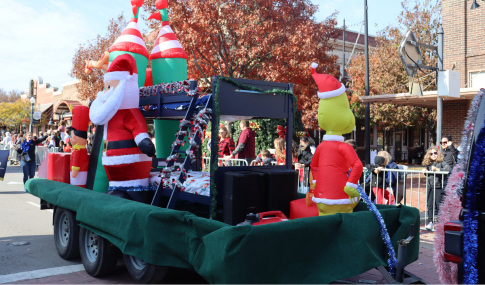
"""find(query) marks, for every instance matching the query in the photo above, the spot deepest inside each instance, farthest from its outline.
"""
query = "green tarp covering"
(309, 250)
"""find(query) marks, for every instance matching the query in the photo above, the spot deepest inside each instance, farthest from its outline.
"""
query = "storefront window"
(416, 138)
(380, 140)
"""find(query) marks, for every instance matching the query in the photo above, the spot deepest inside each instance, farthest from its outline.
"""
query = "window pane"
(477, 79)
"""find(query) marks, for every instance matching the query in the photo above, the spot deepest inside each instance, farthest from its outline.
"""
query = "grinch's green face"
(335, 116)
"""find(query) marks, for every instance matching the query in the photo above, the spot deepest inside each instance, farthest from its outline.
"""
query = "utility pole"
(343, 58)
(439, 101)
(367, 106)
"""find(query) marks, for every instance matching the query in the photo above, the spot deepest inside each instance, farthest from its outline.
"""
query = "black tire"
(98, 255)
(144, 273)
(66, 234)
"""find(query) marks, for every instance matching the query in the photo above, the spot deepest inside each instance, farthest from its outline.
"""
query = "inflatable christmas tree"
(130, 41)
(169, 60)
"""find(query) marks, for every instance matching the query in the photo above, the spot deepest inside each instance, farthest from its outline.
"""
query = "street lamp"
(51, 122)
(475, 5)
(32, 102)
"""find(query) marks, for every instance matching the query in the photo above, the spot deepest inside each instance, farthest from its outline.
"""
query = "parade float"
(174, 215)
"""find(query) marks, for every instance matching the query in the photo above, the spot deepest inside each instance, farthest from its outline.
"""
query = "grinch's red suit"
(127, 148)
(330, 165)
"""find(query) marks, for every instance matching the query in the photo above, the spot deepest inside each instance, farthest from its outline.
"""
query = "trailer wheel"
(144, 273)
(96, 255)
(66, 234)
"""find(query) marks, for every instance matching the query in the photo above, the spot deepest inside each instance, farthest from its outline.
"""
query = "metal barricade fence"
(410, 188)
(225, 162)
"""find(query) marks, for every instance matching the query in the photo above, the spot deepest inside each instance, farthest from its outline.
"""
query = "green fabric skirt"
(308, 250)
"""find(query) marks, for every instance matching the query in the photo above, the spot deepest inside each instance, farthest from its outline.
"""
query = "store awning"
(63, 107)
(428, 100)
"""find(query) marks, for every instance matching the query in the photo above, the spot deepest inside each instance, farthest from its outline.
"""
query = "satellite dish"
(410, 55)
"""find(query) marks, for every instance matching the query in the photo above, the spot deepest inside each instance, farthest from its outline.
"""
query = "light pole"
(367, 106)
(32, 102)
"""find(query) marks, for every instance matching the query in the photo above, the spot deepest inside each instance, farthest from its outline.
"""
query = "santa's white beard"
(106, 104)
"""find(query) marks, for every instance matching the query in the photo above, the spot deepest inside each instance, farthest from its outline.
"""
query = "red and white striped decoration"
(167, 45)
(130, 40)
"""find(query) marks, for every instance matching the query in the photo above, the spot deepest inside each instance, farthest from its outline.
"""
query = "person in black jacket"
(304, 160)
(434, 161)
(450, 153)
(26, 149)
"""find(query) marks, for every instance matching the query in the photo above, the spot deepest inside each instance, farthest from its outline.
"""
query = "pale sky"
(39, 38)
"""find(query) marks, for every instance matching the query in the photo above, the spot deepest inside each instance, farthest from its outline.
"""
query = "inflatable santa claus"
(127, 149)
(335, 165)
(79, 156)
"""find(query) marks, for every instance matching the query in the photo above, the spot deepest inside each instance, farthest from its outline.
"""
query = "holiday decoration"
(131, 42)
(281, 132)
(335, 191)
(451, 206)
(102, 63)
(127, 148)
(169, 60)
(79, 157)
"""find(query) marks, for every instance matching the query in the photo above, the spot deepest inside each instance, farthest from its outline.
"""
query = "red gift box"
(58, 168)
(299, 209)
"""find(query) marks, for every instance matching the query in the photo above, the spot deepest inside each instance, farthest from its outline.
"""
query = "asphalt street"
(21, 220)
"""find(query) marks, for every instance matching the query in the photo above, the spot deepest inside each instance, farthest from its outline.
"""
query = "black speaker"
(280, 187)
(243, 194)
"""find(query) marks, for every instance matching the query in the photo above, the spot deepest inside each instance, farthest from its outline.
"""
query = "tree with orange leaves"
(259, 39)
(92, 82)
(387, 74)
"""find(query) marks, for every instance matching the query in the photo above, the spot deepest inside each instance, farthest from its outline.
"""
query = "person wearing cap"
(380, 179)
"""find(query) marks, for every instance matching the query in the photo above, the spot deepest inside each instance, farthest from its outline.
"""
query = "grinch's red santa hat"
(328, 86)
(123, 67)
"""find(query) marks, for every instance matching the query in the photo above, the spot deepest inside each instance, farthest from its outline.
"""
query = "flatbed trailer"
(155, 237)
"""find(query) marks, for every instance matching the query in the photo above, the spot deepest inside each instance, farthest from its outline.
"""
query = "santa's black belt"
(109, 145)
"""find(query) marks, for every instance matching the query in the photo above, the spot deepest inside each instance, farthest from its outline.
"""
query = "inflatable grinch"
(127, 149)
(335, 189)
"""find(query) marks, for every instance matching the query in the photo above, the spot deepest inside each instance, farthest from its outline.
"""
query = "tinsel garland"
(392, 261)
(470, 236)
(216, 121)
(451, 206)
(166, 88)
(132, 188)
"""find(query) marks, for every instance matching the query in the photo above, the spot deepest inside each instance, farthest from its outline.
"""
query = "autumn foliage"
(92, 83)
(273, 40)
(387, 75)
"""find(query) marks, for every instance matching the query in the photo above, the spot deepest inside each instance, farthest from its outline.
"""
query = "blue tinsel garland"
(392, 261)
(475, 184)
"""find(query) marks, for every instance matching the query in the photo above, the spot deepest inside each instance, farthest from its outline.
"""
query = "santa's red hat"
(80, 121)
(121, 68)
(328, 86)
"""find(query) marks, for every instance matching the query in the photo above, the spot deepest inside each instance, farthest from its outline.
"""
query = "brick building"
(53, 103)
(463, 52)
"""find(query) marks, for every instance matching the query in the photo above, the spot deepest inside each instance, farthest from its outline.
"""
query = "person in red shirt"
(245, 144)
(226, 143)
(68, 147)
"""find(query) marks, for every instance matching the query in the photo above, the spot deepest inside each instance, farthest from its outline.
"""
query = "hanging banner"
(3, 163)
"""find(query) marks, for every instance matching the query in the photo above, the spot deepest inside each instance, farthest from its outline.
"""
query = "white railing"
(225, 162)
(260, 163)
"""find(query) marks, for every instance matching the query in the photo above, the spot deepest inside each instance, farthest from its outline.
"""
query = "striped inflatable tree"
(130, 41)
(169, 60)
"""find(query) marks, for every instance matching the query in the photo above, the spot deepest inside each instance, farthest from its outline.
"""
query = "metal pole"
(439, 101)
(343, 59)
(31, 117)
(367, 106)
